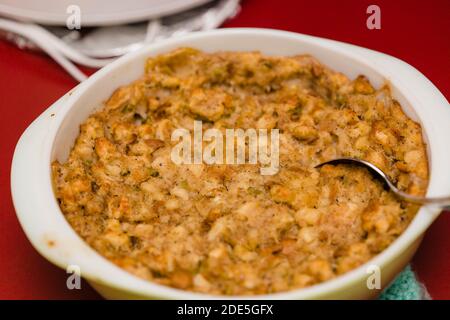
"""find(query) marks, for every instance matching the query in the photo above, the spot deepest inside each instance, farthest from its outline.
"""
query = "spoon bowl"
(444, 202)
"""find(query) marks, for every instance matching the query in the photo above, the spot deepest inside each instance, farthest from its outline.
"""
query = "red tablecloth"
(417, 32)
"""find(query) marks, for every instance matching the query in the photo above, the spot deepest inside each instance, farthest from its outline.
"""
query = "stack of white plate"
(94, 13)
(109, 28)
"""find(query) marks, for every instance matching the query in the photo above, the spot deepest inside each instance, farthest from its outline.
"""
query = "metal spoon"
(443, 202)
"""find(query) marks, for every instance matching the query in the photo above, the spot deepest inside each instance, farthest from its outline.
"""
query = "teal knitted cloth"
(405, 287)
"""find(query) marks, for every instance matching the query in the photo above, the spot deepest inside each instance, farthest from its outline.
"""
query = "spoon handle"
(443, 202)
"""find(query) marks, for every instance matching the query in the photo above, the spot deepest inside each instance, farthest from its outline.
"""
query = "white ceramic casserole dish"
(52, 135)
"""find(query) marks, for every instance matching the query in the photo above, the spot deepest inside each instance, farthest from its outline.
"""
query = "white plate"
(93, 13)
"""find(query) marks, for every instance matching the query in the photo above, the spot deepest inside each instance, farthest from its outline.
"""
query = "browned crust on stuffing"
(226, 229)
